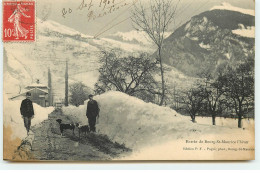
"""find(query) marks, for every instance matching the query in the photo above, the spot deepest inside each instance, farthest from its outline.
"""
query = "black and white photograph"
(128, 80)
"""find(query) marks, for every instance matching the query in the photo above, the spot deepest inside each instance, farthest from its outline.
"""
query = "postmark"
(18, 21)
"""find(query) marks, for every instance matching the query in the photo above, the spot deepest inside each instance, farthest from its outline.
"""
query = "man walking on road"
(92, 113)
(27, 111)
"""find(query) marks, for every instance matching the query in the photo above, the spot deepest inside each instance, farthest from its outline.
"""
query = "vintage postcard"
(128, 80)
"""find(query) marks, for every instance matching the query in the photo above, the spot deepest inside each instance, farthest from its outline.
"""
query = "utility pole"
(66, 85)
(50, 97)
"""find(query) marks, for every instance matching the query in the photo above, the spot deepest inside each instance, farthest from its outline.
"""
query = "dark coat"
(26, 108)
(92, 109)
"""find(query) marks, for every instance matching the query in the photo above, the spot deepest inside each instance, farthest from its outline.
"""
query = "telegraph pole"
(66, 85)
(50, 97)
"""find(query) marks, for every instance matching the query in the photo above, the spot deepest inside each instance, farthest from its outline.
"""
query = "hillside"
(55, 44)
(211, 39)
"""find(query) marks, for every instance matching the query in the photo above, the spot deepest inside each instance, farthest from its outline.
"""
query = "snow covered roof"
(227, 6)
(26, 92)
(37, 85)
(42, 90)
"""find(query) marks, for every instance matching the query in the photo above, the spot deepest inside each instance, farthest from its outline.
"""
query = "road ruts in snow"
(50, 145)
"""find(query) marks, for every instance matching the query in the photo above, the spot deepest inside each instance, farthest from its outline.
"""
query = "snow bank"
(174, 149)
(146, 127)
(227, 6)
(131, 121)
(13, 118)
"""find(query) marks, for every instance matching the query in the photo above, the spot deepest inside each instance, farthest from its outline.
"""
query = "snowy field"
(13, 118)
(151, 130)
(228, 122)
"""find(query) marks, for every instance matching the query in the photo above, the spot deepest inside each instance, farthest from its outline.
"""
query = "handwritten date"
(106, 7)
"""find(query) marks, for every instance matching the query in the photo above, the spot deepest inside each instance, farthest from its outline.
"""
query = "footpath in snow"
(14, 130)
(48, 144)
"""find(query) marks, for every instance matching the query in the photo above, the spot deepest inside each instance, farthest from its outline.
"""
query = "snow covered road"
(50, 145)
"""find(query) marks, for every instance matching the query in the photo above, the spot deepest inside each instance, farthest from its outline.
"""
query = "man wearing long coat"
(92, 113)
(27, 111)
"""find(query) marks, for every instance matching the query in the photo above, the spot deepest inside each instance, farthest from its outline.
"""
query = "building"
(39, 94)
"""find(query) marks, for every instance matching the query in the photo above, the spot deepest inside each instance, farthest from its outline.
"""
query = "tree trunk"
(162, 77)
(213, 119)
(239, 121)
(240, 113)
(193, 118)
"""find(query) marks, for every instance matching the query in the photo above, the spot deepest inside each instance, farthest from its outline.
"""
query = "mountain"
(225, 34)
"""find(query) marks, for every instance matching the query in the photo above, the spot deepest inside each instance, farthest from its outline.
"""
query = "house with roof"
(39, 94)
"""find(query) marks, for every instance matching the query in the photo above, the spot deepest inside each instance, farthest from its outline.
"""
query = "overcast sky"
(78, 18)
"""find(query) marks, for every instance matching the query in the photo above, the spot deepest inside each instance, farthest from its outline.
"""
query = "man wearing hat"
(27, 111)
(92, 113)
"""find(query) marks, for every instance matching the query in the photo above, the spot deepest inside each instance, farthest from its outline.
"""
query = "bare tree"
(214, 94)
(213, 85)
(131, 75)
(155, 21)
(193, 100)
(239, 86)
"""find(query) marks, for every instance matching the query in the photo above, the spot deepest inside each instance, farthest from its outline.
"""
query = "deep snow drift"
(146, 126)
(13, 118)
(129, 120)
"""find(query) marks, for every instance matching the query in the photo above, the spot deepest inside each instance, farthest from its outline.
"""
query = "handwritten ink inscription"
(98, 10)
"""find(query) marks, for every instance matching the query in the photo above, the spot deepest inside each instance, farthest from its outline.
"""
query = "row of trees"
(232, 88)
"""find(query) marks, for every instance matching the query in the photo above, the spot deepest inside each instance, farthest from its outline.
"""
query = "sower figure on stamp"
(27, 111)
(92, 113)
(15, 18)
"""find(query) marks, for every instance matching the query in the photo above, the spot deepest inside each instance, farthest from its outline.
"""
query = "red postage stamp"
(18, 21)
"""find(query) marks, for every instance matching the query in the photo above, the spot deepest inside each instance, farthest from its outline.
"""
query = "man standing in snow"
(92, 113)
(27, 111)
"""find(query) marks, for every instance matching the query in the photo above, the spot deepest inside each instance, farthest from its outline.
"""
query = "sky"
(115, 14)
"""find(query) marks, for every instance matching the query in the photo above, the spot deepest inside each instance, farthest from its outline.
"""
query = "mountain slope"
(210, 40)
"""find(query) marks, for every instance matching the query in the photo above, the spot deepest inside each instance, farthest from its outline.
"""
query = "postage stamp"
(18, 21)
